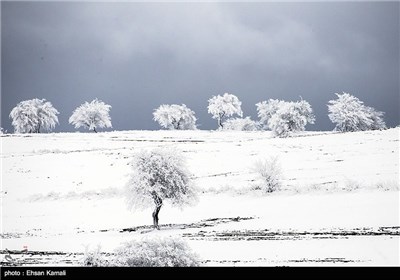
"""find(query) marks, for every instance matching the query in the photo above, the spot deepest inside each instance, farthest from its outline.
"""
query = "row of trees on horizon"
(283, 118)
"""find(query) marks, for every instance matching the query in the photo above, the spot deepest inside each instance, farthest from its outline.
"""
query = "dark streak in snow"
(265, 234)
(203, 223)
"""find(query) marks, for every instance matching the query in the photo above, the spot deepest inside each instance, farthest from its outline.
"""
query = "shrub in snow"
(175, 117)
(94, 258)
(91, 115)
(1, 130)
(156, 252)
(268, 174)
(350, 114)
(285, 117)
(159, 175)
(241, 124)
(148, 252)
(34, 116)
(221, 107)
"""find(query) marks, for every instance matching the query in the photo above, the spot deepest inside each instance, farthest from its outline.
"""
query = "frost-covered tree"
(241, 124)
(159, 175)
(91, 115)
(377, 119)
(284, 117)
(221, 107)
(350, 114)
(175, 117)
(266, 109)
(34, 116)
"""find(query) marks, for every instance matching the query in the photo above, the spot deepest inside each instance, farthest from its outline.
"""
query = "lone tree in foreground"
(91, 115)
(34, 116)
(221, 107)
(159, 175)
(175, 116)
(350, 114)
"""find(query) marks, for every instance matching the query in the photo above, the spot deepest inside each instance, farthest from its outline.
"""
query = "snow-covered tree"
(175, 117)
(159, 175)
(91, 115)
(285, 117)
(350, 114)
(1, 130)
(377, 119)
(266, 109)
(241, 124)
(221, 107)
(34, 116)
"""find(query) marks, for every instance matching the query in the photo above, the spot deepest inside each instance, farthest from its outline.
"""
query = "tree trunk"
(220, 117)
(220, 123)
(94, 129)
(178, 126)
(155, 217)
(158, 203)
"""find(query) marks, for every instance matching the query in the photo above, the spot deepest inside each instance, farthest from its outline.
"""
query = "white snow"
(63, 191)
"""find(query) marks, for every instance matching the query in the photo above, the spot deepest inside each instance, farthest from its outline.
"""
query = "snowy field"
(339, 204)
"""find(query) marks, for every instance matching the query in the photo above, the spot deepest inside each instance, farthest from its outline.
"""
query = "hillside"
(339, 202)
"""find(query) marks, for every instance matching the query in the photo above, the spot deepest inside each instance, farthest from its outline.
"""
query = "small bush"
(94, 257)
(388, 186)
(148, 252)
(245, 124)
(156, 252)
(269, 174)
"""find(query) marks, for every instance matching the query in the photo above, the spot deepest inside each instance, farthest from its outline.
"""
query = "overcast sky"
(136, 56)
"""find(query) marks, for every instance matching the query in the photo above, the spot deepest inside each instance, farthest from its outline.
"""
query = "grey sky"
(136, 56)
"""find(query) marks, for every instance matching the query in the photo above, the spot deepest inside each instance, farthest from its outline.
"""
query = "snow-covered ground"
(339, 203)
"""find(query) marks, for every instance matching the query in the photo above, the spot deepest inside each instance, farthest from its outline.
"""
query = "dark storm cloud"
(136, 56)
